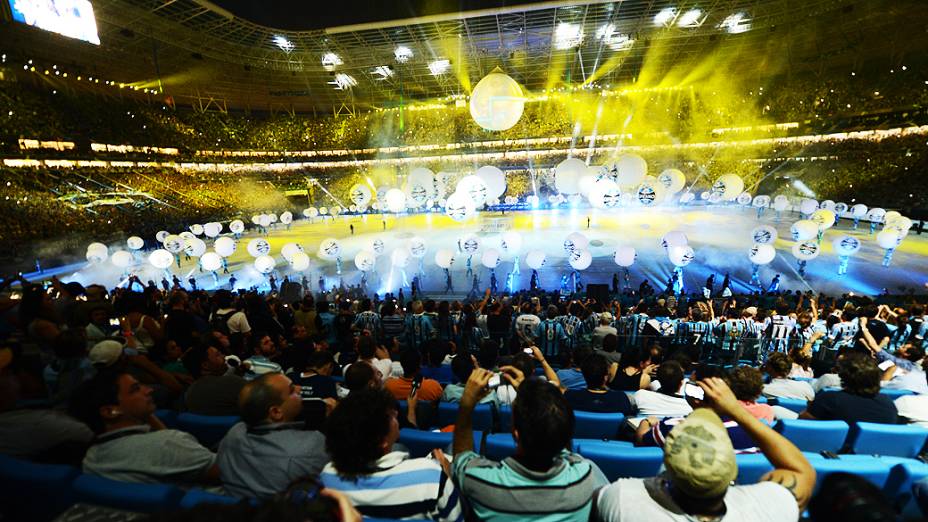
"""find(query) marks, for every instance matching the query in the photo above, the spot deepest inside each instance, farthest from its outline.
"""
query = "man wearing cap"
(700, 466)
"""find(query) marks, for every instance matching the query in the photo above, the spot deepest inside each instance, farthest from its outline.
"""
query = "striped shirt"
(419, 330)
(573, 328)
(550, 337)
(368, 320)
(401, 488)
(843, 333)
(507, 490)
(778, 331)
(631, 326)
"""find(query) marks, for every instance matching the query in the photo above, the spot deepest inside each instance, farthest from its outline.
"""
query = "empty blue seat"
(168, 417)
(420, 443)
(814, 435)
(796, 405)
(144, 498)
(897, 440)
(195, 497)
(499, 446)
(209, 430)
(873, 469)
(618, 460)
(895, 394)
(601, 426)
(33, 491)
(482, 417)
(751, 467)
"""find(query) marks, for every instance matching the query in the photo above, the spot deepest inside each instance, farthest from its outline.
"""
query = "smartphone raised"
(695, 391)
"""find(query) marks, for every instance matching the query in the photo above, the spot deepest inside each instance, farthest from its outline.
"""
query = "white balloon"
(271, 218)
(417, 194)
(803, 229)
(399, 258)
(846, 245)
(859, 210)
(288, 250)
(510, 243)
(806, 250)
(605, 194)
(490, 258)
(685, 198)
(185, 235)
(323, 210)
(889, 238)
(265, 220)
(311, 212)
(417, 247)
(781, 203)
(575, 241)
(212, 229)
(460, 207)
(891, 216)
(258, 247)
(224, 246)
(901, 223)
(761, 201)
(494, 179)
(497, 102)
(376, 246)
(840, 208)
(444, 258)
(365, 260)
(681, 255)
(195, 247)
(330, 249)
(211, 261)
(535, 259)
(98, 247)
(673, 180)
(265, 264)
(674, 238)
(632, 169)
(625, 256)
(197, 230)
(237, 226)
(121, 258)
(475, 188)
(161, 258)
(827, 205)
(764, 235)
(360, 194)
(744, 198)
(256, 219)
(567, 175)
(174, 244)
(135, 243)
(286, 218)
(299, 261)
(649, 194)
(162, 235)
(876, 215)
(580, 259)
(824, 218)
(585, 185)
(470, 244)
(762, 254)
(395, 200)
(728, 186)
(808, 206)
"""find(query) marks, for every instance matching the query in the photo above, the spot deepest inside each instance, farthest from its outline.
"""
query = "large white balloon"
(311, 212)
(197, 230)
(186, 235)
(399, 258)
(649, 193)
(162, 235)
(632, 169)
(673, 180)
(575, 241)
(121, 258)
(681, 255)
(859, 210)
(841, 208)
(494, 179)
(889, 238)
(824, 218)
(580, 259)
(460, 207)
(510, 243)
(224, 246)
(605, 194)
(417, 193)
(161, 258)
(827, 205)
(135, 243)
(744, 198)
(728, 186)
(299, 261)
(330, 249)
(365, 260)
(535, 259)
(625, 256)
(376, 246)
(98, 247)
(417, 247)
(806, 250)
(780, 203)
(803, 229)
(567, 175)
(497, 102)
(846, 245)
(395, 200)
(265, 264)
(265, 220)
(764, 235)
(891, 215)
(258, 247)
(237, 226)
(475, 188)
(212, 229)
(674, 238)
(286, 218)
(761, 201)
(444, 258)
(876, 215)
(470, 244)
(762, 254)
(211, 261)
(808, 206)
(195, 247)
(174, 244)
(288, 250)
(490, 258)
(360, 194)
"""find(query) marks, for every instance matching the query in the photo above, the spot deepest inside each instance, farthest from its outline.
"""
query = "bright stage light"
(665, 16)
(331, 60)
(736, 23)
(383, 71)
(616, 41)
(282, 42)
(567, 35)
(402, 53)
(691, 18)
(343, 81)
(439, 67)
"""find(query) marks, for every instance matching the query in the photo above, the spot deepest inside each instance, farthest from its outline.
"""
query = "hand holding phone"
(495, 381)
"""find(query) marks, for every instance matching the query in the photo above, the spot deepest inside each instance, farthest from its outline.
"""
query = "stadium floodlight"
(282, 42)
(665, 16)
(402, 53)
(616, 41)
(343, 81)
(439, 67)
(383, 71)
(736, 23)
(330, 60)
(691, 18)
(567, 35)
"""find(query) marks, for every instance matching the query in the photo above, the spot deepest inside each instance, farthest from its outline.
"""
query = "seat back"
(195, 497)
(420, 443)
(499, 446)
(895, 394)
(872, 469)
(618, 460)
(602, 426)
(33, 491)
(814, 435)
(751, 467)
(796, 405)
(208, 429)
(168, 417)
(897, 440)
(143, 498)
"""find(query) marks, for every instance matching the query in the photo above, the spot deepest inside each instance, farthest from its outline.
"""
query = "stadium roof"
(198, 51)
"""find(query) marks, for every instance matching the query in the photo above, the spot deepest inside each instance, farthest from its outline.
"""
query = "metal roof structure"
(199, 51)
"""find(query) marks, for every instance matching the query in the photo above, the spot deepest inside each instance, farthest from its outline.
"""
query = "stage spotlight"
(802, 187)
(567, 35)
(691, 18)
(736, 23)
(343, 81)
(282, 42)
(331, 60)
(402, 53)
(665, 17)
(439, 67)
(383, 71)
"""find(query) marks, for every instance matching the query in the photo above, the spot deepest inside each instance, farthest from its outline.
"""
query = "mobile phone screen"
(885, 365)
(694, 391)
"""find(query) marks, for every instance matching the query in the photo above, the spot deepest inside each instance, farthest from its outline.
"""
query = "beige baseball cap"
(699, 456)
(105, 353)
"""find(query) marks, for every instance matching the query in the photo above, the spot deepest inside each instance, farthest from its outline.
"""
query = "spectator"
(132, 445)
(436, 352)
(610, 349)
(542, 426)
(859, 399)
(463, 366)
(526, 364)
(700, 465)
(216, 387)
(667, 401)
(230, 321)
(913, 408)
(265, 355)
(360, 434)
(597, 397)
(747, 384)
(401, 387)
(779, 366)
(635, 370)
(361, 375)
(261, 456)
(375, 356)
(603, 330)
(850, 498)
(571, 375)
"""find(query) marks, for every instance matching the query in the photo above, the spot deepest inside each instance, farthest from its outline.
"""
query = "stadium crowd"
(328, 396)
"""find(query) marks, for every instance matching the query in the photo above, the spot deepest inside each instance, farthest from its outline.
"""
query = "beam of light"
(736, 23)
(567, 36)
(802, 187)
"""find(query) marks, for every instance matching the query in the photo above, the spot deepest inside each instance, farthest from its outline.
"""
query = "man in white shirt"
(914, 408)
(700, 464)
(667, 402)
(779, 366)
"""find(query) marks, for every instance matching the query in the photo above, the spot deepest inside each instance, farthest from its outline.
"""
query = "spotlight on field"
(736, 23)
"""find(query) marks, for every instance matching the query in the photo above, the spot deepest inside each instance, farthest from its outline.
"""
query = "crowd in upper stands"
(324, 389)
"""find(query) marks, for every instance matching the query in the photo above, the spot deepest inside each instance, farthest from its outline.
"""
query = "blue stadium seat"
(482, 416)
(33, 491)
(814, 435)
(618, 460)
(505, 418)
(499, 446)
(143, 498)
(796, 405)
(903, 474)
(873, 469)
(897, 440)
(195, 497)
(168, 417)
(209, 430)
(895, 394)
(421, 443)
(600, 426)
(751, 467)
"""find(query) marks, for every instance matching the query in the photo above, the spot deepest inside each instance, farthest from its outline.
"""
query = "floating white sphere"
(510, 243)
(497, 102)
(761, 201)
(460, 207)
(121, 258)
(470, 244)
(490, 258)
(213, 229)
(444, 258)
(575, 241)
(224, 246)
(605, 194)
(681, 255)
(330, 249)
(890, 216)
(395, 200)
(876, 215)
(889, 238)
(258, 247)
(632, 169)
(324, 210)
(174, 244)
(288, 250)
(674, 238)
(494, 179)
(808, 206)
(840, 208)
(265, 264)
(265, 220)
(764, 235)
(417, 247)
(625, 256)
(365, 260)
(186, 235)
(673, 180)
(135, 243)
(311, 212)
(824, 218)
(780, 203)
(535, 259)
(376, 246)
(399, 258)
(417, 193)
(728, 186)
(286, 218)
(299, 261)
(846, 245)
(96, 256)
(197, 230)
(211, 261)
(744, 198)
(649, 194)
(580, 259)
(360, 194)
(762, 254)
(806, 250)
(161, 258)
(859, 210)
(567, 175)
(162, 235)
(803, 229)
(827, 205)
(195, 247)
(475, 188)
(98, 247)
(237, 226)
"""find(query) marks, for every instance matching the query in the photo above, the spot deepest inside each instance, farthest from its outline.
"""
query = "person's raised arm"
(814, 306)
(474, 390)
(791, 469)
(483, 304)
(550, 374)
